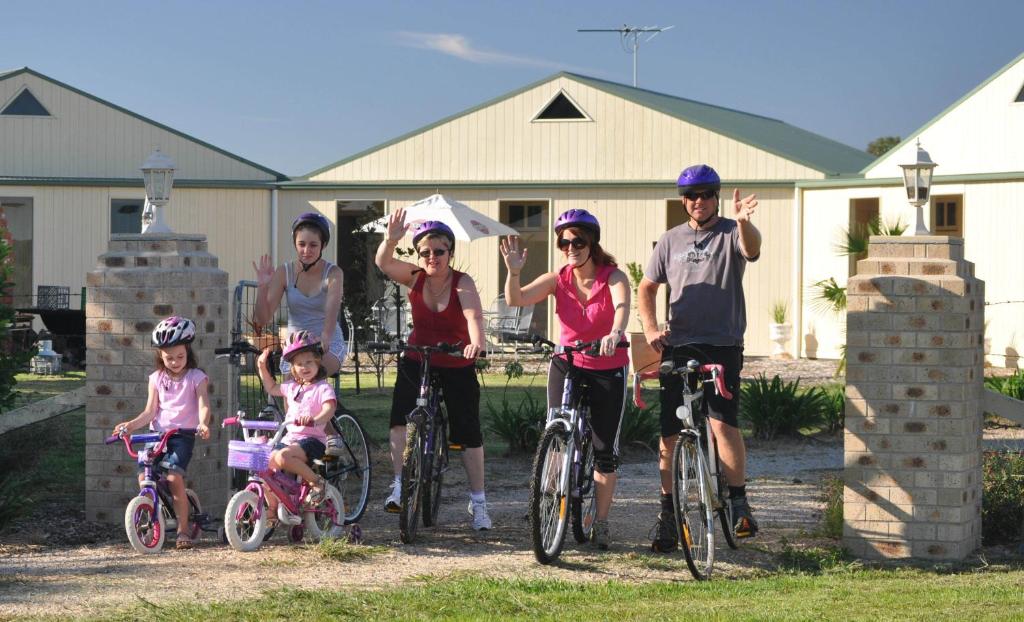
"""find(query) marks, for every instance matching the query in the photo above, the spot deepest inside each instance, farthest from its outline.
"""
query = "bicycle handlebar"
(237, 347)
(269, 426)
(159, 437)
(579, 346)
(717, 374)
(451, 349)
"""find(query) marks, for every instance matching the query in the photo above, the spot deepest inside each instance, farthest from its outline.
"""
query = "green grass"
(341, 550)
(33, 388)
(850, 594)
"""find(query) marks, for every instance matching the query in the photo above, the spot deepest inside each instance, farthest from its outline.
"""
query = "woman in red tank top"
(445, 308)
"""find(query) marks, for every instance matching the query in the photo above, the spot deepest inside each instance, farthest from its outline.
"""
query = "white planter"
(780, 334)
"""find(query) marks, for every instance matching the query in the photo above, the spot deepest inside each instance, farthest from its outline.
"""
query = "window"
(947, 215)
(25, 104)
(524, 217)
(126, 215)
(1020, 96)
(561, 108)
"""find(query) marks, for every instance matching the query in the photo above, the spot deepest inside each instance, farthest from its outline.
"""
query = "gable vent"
(561, 108)
(1020, 96)
(25, 104)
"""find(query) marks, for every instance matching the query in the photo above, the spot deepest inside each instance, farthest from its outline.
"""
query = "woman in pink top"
(178, 398)
(592, 303)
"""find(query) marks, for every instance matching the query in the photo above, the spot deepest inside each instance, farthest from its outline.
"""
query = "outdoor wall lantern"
(917, 179)
(158, 175)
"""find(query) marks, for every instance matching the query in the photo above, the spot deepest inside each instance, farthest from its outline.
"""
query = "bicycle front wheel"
(412, 474)
(548, 495)
(694, 518)
(245, 521)
(144, 525)
(725, 516)
(584, 500)
(351, 472)
(434, 470)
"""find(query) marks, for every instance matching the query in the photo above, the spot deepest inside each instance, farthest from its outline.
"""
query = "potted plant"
(780, 331)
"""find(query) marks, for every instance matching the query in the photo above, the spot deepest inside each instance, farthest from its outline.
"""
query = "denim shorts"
(177, 454)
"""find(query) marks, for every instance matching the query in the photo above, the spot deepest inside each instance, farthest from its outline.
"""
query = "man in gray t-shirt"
(702, 261)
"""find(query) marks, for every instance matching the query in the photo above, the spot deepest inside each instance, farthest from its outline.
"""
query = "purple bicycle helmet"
(698, 178)
(433, 226)
(579, 218)
(317, 220)
(173, 331)
(301, 341)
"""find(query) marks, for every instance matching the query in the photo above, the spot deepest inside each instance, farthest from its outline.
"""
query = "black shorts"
(726, 411)
(607, 399)
(461, 392)
(312, 447)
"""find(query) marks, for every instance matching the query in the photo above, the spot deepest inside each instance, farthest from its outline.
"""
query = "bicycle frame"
(428, 403)
(575, 423)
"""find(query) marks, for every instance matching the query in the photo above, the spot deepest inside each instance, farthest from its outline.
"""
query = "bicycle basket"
(249, 456)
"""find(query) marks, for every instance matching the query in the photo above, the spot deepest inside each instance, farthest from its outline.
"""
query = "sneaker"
(664, 537)
(599, 535)
(335, 446)
(744, 525)
(394, 501)
(481, 521)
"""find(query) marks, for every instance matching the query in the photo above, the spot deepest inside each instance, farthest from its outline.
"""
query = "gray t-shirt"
(704, 272)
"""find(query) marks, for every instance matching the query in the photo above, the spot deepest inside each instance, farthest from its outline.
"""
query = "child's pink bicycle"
(149, 516)
(245, 519)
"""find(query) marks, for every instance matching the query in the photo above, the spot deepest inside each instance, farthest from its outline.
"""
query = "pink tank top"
(177, 401)
(587, 321)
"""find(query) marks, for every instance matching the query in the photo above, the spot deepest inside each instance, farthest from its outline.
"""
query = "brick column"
(140, 280)
(913, 401)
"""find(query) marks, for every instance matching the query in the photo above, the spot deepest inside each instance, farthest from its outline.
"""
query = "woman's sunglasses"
(437, 252)
(706, 195)
(577, 243)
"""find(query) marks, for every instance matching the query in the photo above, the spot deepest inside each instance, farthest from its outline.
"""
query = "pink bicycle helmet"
(173, 331)
(301, 341)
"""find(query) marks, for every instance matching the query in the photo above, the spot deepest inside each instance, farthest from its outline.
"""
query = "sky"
(298, 85)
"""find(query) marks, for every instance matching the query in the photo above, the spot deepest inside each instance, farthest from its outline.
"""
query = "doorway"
(17, 212)
(363, 282)
(530, 219)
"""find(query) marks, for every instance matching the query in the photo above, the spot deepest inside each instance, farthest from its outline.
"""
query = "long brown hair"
(191, 362)
(597, 254)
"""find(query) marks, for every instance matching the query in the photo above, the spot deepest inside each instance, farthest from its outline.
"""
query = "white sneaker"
(481, 521)
(335, 446)
(394, 501)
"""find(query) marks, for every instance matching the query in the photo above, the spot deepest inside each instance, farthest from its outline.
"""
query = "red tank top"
(432, 327)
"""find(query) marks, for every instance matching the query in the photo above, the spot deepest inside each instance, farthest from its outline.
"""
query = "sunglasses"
(577, 243)
(693, 196)
(437, 252)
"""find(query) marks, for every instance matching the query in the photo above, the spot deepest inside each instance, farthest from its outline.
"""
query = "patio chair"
(504, 323)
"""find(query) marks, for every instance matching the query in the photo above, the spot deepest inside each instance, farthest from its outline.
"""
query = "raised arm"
(269, 384)
(399, 271)
(750, 237)
(269, 289)
(515, 294)
(469, 298)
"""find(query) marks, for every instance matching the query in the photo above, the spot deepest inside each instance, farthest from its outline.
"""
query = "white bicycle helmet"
(173, 331)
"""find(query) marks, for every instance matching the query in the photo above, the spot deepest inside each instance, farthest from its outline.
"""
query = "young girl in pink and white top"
(178, 398)
(592, 303)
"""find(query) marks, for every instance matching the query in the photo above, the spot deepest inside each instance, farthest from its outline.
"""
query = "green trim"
(795, 137)
(277, 176)
(935, 119)
(858, 182)
(136, 182)
(594, 183)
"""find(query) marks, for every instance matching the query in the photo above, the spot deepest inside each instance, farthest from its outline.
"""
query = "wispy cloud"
(460, 47)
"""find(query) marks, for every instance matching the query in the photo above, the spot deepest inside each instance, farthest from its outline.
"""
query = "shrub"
(12, 360)
(1002, 507)
(832, 517)
(640, 426)
(1011, 386)
(834, 413)
(779, 311)
(773, 408)
(518, 422)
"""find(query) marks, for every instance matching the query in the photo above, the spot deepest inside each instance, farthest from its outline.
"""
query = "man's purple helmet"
(300, 341)
(317, 220)
(579, 218)
(173, 331)
(698, 178)
(433, 226)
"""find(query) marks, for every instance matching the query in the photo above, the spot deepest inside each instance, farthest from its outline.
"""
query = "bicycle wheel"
(694, 518)
(434, 469)
(327, 519)
(144, 525)
(583, 508)
(351, 472)
(725, 516)
(548, 486)
(241, 525)
(412, 473)
(195, 510)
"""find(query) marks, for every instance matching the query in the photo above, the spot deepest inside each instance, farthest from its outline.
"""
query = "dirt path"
(78, 580)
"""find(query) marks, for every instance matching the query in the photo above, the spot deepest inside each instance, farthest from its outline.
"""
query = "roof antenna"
(630, 36)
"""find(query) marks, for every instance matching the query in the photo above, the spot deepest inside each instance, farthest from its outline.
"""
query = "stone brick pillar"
(140, 280)
(913, 401)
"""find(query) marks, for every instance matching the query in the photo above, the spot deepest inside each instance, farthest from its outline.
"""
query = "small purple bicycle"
(149, 516)
(245, 519)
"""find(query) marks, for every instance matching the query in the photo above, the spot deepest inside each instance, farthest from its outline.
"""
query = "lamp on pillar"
(917, 179)
(158, 175)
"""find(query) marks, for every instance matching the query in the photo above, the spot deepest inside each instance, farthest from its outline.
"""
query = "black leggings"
(607, 399)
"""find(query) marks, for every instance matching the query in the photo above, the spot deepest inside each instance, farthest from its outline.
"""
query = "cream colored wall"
(981, 135)
(71, 227)
(625, 141)
(85, 138)
(633, 220)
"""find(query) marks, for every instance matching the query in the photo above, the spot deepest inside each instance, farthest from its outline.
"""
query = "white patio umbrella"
(467, 223)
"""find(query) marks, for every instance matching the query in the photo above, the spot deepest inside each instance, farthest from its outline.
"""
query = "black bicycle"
(563, 466)
(348, 470)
